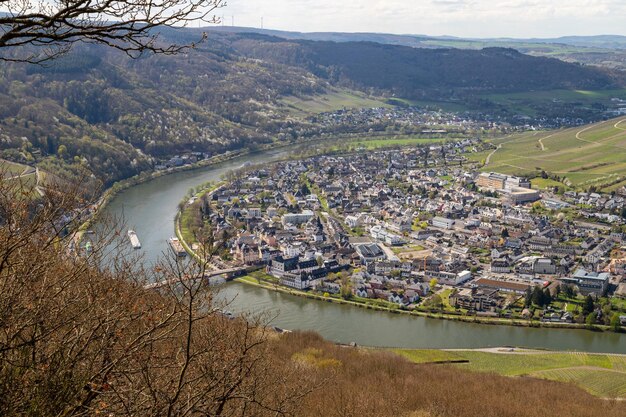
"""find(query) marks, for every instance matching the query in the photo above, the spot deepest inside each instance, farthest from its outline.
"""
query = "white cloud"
(475, 18)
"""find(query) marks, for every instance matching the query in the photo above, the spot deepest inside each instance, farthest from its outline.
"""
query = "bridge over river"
(230, 272)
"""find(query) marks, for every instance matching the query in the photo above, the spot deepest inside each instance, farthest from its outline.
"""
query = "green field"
(602, 375)
(333, 100)
(11, 169)
(598, 382)
(536, 48)
(383, 143)
(584, 156)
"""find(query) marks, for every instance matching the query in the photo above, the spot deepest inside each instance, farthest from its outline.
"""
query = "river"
(149, 209)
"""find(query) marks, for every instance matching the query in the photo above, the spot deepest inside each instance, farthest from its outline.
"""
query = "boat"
(177, 247)
(134, 240)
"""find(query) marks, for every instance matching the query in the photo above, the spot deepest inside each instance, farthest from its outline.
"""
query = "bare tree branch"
(49, 27)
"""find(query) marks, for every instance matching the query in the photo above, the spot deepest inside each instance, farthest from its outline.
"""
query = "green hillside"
(582, 157)
(601, 375)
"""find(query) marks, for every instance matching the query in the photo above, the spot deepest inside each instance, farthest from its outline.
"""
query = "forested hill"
(97, 109)
(421, 73)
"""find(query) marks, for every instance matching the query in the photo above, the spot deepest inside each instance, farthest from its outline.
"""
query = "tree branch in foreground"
(40, 30)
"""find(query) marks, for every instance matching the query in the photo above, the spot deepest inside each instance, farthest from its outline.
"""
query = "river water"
(150, 209)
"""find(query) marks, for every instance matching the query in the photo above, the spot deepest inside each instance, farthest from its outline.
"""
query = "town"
(421, 229)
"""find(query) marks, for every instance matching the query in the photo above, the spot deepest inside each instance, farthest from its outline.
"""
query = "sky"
(463, 18)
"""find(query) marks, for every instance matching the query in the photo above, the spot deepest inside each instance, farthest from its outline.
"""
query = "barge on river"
(134, 240)
(177, 247)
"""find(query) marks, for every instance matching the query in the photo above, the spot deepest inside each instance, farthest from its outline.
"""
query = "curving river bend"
(149, 209)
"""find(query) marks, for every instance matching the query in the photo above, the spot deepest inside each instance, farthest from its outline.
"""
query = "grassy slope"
(11, 169)
(333, 100)
(587, 155)
(603, 375)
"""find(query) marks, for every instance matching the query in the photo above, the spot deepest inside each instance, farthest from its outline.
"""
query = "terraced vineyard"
(593, 155)
(601, 375)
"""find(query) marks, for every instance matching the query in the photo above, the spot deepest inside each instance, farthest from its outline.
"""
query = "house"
(370, 253)
(400, 225)
(281, 265)
(396, 298)
(247, 253)
(589, 282)
(501, 265)
(476, 300)
(449, 278)
(302, 280)
(544, 266)
(442, 222)
(378, 233)
(501, 285)
(254, 212)
(298, 218)
(354, 221)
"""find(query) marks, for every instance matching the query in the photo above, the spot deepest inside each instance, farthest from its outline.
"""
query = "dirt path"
(488, 159)
(580, 132)
(39, 186)
(616, 125)
(523, 351)
(543, 148)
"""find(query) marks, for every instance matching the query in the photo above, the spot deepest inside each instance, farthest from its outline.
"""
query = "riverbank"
(394, 309)
(417, 313)
(143, 177)
(146, 176)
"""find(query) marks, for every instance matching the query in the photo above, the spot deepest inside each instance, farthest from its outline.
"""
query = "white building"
(442, 222)
(379, 233)
(298, 218)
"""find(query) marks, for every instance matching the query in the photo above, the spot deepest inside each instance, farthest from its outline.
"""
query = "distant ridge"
(419, 40)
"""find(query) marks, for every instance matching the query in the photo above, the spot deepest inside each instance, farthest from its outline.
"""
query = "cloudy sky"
(468, 18)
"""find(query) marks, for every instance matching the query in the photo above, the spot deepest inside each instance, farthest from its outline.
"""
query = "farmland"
(602, 375)
(581, 157)
(400, 141)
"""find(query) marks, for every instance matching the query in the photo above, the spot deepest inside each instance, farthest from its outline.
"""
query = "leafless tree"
(38, 30)
(79, 339)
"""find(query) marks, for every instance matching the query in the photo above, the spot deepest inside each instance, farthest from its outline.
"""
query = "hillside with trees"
(428, 73)
(95, 109)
